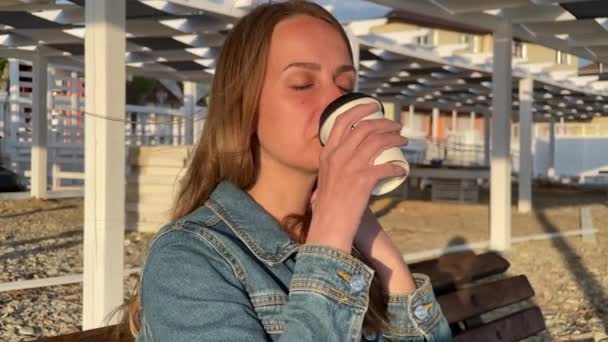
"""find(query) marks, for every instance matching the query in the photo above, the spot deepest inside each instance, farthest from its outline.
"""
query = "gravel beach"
(41, 239)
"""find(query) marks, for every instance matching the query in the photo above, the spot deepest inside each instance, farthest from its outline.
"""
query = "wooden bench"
(467, 289)
(471, 288)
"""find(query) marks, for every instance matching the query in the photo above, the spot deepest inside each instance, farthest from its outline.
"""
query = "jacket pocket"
(269, 307)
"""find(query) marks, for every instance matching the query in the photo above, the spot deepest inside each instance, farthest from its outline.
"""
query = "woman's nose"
(330, 94)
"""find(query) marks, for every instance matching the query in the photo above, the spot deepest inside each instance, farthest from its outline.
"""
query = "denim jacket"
(228, 272)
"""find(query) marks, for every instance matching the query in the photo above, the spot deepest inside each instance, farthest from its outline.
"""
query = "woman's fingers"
(365, 130)
(344, 122)
(385, 170)
(375, 144)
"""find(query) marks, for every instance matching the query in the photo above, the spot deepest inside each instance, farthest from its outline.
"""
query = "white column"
(199, 122)
(4, 116)
(410, 118)
(75, 106)
(486, 139)
(190, 97)
(454, 120)
(472, 121)
(435, 124)
(39, 127)
(175, 128)
(15, 116)
(104, 214)
(552, 148)
(500, 173)
(392, 110)
(526, 96)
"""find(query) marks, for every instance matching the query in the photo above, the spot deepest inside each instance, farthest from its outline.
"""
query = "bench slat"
(473, 301)
(458, 268)
(511, 328)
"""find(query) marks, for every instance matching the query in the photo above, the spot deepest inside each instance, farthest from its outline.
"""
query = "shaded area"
(591, 287)
(63, 235)
(39, 210)
(41, 249)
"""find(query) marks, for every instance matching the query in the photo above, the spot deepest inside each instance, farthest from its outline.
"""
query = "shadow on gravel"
(586, 281)
(63, 235)
(24, 252)
(38, 211)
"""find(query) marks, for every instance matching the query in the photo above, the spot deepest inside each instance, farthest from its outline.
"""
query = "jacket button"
(420, 313)
(370, 338)
(357, 283)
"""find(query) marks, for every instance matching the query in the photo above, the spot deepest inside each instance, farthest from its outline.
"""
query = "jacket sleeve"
(190, 292)
(416, 315)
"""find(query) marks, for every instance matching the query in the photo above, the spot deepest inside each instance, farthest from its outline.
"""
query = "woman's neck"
(281, 190)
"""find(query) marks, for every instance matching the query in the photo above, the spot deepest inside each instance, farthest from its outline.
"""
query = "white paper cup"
(391, 155)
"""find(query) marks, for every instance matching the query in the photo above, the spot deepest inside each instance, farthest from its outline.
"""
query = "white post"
(472, 122)
(39, 180)
(526, 97)
(104, 223)
(435, 124)
(486, 139)
(392, 110)
(552, 148)
(75, 106)
(4, 116)
(15, 116)
(500, 171)
(199, 122)
(175, 136)
(410, 118)
(190, 97)
(454, 120)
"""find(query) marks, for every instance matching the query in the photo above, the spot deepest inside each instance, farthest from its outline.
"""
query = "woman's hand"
(347, 175)
(377, 247)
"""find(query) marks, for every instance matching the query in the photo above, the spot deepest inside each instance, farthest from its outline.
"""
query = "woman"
(259, 247)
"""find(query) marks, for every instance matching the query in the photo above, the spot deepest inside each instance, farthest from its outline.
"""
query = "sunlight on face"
(308, 67)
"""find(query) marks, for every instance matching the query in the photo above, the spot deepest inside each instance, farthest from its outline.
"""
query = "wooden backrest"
(450, 270)
(463, 301)
(112, 333)
(460, 301)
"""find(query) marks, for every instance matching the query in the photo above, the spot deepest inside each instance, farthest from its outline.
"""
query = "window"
(426, 39)
(562, 57)
(469, 40)
(519, 49)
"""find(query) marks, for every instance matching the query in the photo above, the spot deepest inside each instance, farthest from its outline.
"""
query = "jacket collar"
(251, 223)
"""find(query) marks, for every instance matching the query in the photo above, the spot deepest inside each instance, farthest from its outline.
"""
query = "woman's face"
(308, 66)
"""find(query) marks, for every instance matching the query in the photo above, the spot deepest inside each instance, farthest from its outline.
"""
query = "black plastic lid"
(337, 103)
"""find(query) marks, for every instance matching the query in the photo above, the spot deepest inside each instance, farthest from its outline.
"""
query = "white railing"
(144, 125)
(57, 176)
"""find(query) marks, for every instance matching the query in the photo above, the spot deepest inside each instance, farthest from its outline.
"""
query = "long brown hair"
(228, 147)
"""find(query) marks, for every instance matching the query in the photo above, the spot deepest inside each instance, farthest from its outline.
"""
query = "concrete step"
(171, 180)
(157, 219)
(149, 210)
(169, 171)
(171, 156)
(137, 191)
(133, 224)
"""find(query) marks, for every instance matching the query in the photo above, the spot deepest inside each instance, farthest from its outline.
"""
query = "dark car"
(9, 181)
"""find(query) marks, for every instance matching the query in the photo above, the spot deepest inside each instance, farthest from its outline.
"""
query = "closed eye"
(302, 87)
